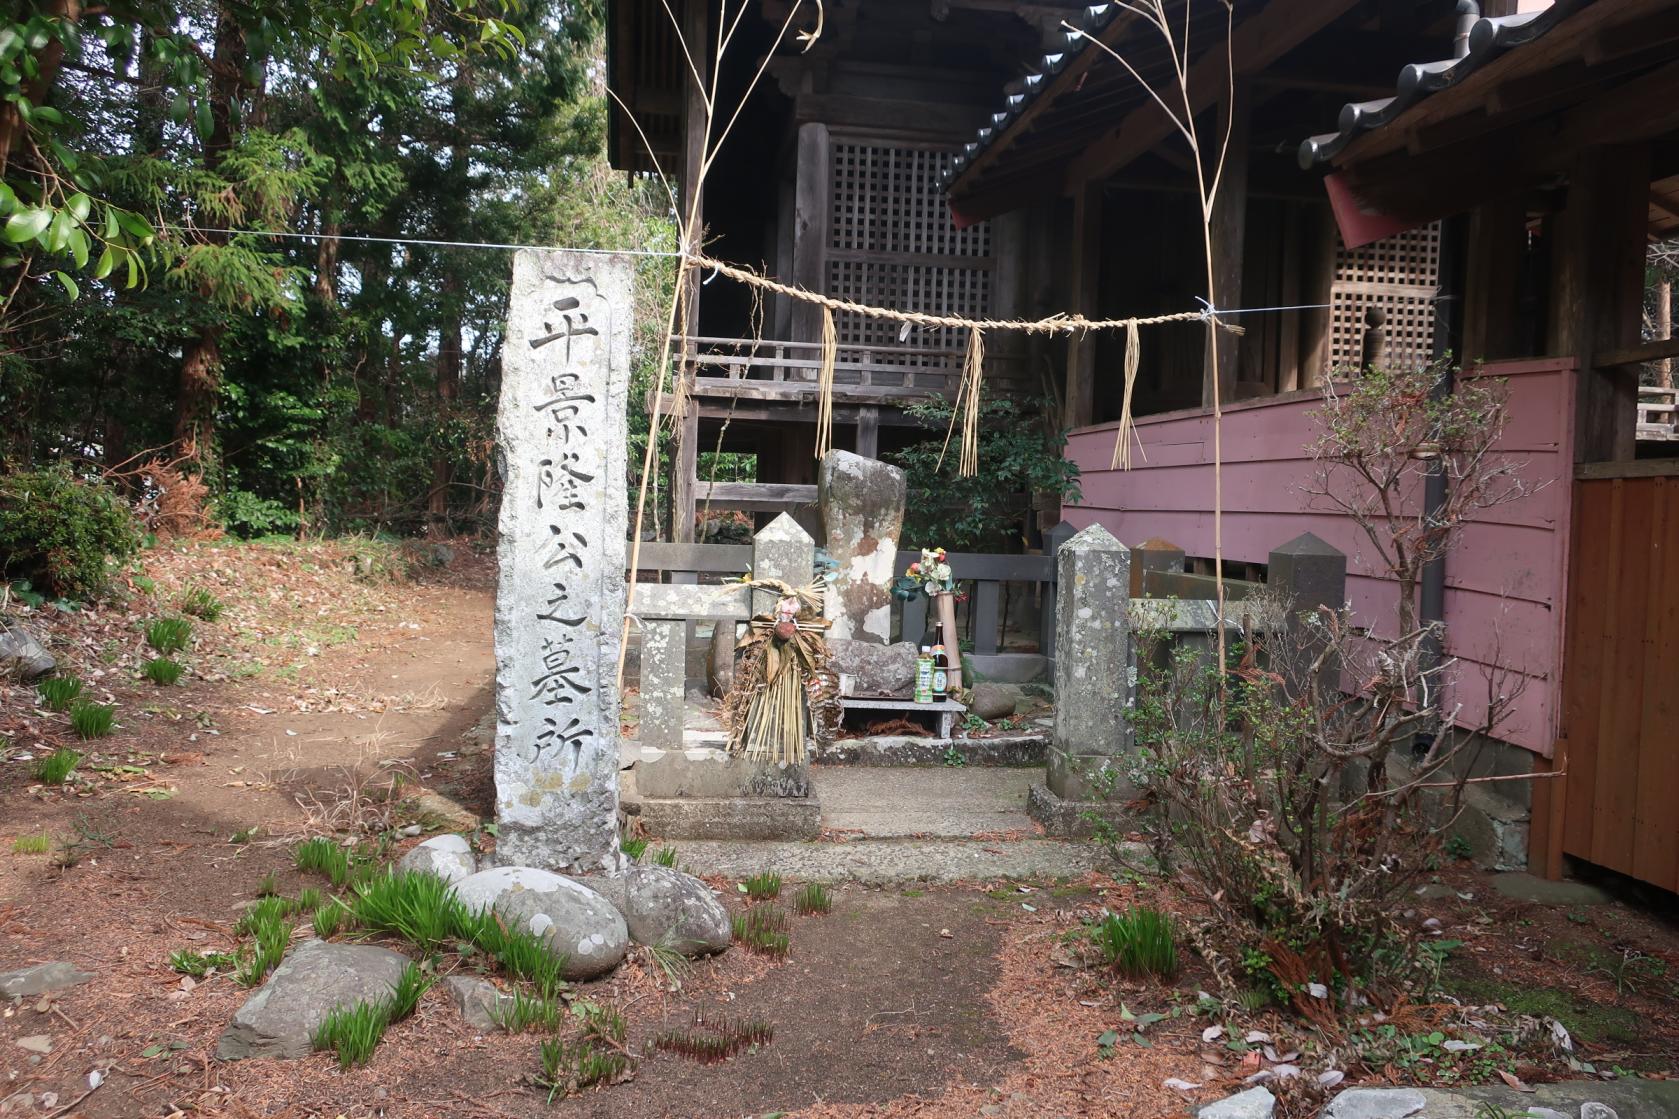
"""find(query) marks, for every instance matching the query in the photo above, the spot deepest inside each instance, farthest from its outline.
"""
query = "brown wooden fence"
(1620, 725)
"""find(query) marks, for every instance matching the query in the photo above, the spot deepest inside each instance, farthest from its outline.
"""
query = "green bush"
(62, 533)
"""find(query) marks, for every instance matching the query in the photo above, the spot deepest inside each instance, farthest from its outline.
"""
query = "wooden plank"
(755, 497)
(811, 210)
(1596, 518)
(986, 602)
(868, 431)
(1643, 468)
(710, 559)
(1638, 355)
(1655, 824)
(1623, 653)
(998, 568)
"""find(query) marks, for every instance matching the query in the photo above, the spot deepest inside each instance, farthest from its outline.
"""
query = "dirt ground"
(958, 1001)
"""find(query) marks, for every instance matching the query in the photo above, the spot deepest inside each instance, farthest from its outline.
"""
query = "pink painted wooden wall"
(1505, 582)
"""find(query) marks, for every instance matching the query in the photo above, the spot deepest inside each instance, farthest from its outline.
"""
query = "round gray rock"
(576, 921)
(447, 856)
(666, 907)
(994, 701)
(21, 655)
(480, 1002)
(40, 979)
(316, 979)
(1255, 1103)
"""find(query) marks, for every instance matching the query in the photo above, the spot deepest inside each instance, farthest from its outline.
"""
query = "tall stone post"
(862, 503)
(1094, 682)
(560, 590)
(1308, 573)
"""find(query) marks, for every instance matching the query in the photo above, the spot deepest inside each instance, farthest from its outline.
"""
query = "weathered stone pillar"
(560, 592)
(862, 503)
(1094, 682)
(782, 551)
(1308, 573)
(664, 693)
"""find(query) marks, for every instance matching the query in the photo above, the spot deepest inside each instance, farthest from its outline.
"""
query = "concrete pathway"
(886, 861)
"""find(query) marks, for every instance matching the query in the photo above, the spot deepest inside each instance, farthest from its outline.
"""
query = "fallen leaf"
(1212, 1033)
(1330, 1077)
(947, 934)
(35, 1043)
(1513, 1081)
(1256, 1036)
(1180, 1085)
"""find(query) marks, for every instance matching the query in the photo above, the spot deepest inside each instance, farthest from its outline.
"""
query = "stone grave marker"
(560, 590)
(862, 502)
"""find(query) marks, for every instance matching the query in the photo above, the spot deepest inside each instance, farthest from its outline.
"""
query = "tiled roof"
(1489, 38)
(1063, 48)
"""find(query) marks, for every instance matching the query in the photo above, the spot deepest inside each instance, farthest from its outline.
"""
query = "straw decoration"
(1127, 430)
(973, 376)
(825, 385)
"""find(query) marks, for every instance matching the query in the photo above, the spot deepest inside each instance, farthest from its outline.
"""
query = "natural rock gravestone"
(560, 592)
(862, 504)
(1094, 678)
(279, 1019)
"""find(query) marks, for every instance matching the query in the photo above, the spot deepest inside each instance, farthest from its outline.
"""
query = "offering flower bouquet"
(931, 576)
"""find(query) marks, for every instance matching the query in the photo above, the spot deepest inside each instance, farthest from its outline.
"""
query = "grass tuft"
(1139, 942)
(168, 635)
(813, 898)
(58, 692)
(762, 929)
(329, 918)
(164, 672)
(270, 934)
(417, 906)
(634, 848)
(58, 766)
(199, 964)
(32, 845)
(92, 720)
(763, 886)
(520, 1012)
(200, 603)
(323, 856)
(709, 1042)
(665, 856)
(352, 1032)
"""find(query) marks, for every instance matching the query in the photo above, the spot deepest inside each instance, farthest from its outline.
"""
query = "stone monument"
(1094, 682)
(862, 502)
(560, 590)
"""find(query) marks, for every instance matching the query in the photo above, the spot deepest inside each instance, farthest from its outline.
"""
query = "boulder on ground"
(1376, 1103)
(40, 979)
(21, 656)
(667, 907)
(1255, 1103)
(881, 670)
(480, 1002)
(576, 921)
(994, 701)
(447, 856)
(281, 1016)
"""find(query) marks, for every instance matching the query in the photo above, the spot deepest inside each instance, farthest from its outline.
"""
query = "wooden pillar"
(1229, 228)
(1317, 290)
(685, 454)
(1079, 408)
(1492, 294)
(1597, 292)
(811, 207)
(868, 431)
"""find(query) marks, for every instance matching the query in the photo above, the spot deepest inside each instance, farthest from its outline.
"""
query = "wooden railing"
(908, 371)
(1658, 414)
(982, 575)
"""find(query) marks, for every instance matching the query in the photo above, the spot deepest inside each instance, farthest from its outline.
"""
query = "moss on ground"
(1591, 1022)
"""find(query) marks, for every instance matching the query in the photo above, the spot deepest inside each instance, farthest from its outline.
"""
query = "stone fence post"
(1093, 682)
(1307, 573)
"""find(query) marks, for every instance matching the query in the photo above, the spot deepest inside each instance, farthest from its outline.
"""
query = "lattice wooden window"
(892, 243)
(1399, 274)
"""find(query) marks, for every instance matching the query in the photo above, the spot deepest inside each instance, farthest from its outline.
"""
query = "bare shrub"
(1269, 775)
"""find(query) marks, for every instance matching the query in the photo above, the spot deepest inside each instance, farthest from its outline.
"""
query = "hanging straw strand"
(973, 377)
(825, 385)
(1127, 430)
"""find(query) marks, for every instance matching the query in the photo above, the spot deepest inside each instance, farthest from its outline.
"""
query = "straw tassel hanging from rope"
(973, 375)
(1127, 431)
(825, 385)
